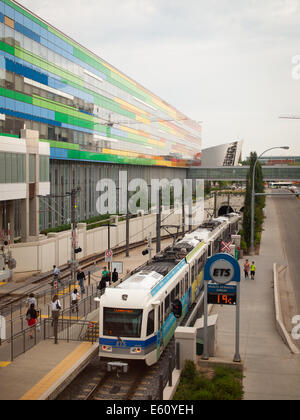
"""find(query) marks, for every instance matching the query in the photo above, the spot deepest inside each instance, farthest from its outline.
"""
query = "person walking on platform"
(75, 298)
(31, 317)
(252, 270)
(105, 272)
(56, 272)
(102, 285)
(31, 299)
(81, 279)
(115, 276)
(246, 269)
(56, 307)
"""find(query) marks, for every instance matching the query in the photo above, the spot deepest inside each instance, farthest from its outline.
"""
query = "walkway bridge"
(239, 173)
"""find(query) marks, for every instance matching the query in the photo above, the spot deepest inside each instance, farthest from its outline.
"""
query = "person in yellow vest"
(252, 270)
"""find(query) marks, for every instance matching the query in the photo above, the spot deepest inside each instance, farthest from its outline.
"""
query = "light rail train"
(138, 317)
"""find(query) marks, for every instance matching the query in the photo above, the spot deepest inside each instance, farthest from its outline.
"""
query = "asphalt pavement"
(288, 219)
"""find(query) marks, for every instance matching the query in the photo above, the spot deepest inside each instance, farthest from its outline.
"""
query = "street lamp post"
(253, 195)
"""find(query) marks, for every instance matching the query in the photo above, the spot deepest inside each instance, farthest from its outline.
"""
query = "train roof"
(142, 280)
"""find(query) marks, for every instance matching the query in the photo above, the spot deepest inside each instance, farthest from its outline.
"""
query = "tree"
(259, 201)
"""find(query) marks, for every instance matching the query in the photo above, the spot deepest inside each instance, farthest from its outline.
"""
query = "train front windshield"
(122, 322)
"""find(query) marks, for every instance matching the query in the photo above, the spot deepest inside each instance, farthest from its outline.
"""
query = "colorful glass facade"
(87, 109)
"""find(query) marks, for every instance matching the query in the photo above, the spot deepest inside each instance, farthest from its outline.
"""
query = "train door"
(160, 339)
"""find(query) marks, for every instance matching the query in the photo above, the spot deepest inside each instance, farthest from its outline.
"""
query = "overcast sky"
(230, 63)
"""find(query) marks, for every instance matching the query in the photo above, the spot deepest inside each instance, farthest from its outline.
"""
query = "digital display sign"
(221, 299)
(221, 294)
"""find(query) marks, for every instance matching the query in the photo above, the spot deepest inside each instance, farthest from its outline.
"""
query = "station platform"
(271, 370)
(39, 373)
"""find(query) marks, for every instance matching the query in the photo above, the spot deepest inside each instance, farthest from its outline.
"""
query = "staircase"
(92, 332)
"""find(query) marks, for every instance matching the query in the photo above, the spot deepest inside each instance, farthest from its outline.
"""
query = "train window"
(167, 303)
(150, 323)
(158, 318)
(177, 290)
(193, 273)
(167, 307)
(186, 282)
(209, 249)
(173, 294)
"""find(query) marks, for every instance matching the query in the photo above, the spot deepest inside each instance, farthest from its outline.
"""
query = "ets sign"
(221, 271)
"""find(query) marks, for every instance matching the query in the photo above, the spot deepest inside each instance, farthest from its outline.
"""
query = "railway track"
(119, 386)
(21, 292)
(141, 382)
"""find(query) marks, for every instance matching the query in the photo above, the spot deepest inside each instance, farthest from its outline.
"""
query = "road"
(288, 211)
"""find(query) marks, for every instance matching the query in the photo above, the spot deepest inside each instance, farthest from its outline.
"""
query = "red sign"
(225, 246)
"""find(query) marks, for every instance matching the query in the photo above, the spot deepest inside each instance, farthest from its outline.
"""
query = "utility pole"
(127, 226)
(183, 219)
(150, 245)
(215, 204)
(158, 222)
(74, 248)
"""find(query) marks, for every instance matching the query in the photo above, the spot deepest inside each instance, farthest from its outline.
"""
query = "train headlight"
(107, 348)
(135, 350)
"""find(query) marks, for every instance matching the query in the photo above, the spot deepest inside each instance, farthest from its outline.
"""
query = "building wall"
(24, 174)
(96, 120)
(227, 154)
(66, 175)
(83, 106)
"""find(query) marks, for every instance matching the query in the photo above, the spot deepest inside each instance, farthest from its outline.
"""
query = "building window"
(32, 176)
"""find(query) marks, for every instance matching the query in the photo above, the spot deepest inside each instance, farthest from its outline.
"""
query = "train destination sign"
(221, 294)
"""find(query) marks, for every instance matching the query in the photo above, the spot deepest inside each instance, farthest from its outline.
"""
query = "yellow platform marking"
(66, 290)
(4, 364)
(53, 376)
(2, 283)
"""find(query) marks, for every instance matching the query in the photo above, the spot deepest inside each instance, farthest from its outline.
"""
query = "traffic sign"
(108, 255)
(225, 246)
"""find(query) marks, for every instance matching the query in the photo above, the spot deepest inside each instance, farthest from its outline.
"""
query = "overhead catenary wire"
(152, 224)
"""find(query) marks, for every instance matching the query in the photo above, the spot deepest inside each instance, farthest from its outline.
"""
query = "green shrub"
(226, 384)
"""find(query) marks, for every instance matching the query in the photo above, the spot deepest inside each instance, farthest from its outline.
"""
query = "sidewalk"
(271, 371)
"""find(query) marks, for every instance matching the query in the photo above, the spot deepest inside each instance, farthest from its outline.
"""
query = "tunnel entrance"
(225, 210)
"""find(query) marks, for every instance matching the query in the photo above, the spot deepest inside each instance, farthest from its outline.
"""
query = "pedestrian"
(56, 272)
(102, 285)
(75, 298)
(246, 269)
(56, 307)
(252, 270)
(115, 275)
(105, 272)
(81, 279)
(31, 317)
(31, 299)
